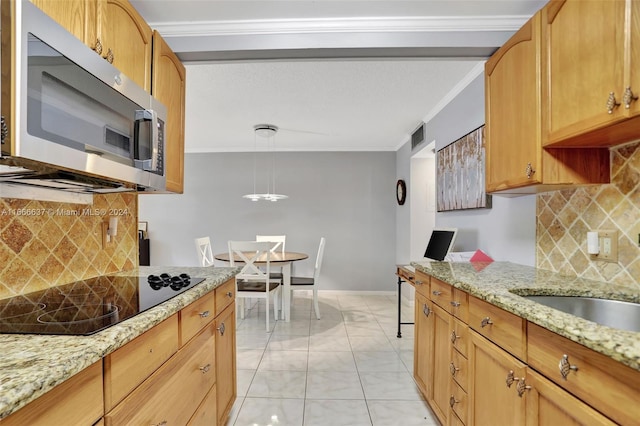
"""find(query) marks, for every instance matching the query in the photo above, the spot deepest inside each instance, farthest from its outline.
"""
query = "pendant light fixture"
(266, 131)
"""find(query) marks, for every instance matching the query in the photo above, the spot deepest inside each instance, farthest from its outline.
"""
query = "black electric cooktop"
(88, 306)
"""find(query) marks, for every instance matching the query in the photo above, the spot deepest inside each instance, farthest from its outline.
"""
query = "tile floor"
(348, 368)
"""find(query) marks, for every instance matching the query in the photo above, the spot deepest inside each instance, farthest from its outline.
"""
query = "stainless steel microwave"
(72, 110)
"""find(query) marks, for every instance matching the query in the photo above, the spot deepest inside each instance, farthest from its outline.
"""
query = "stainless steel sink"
(612, 313)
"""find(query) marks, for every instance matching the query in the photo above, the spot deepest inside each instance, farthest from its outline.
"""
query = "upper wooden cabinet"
(122, 30)
(168, 87)
(590, 77)
(112, 28)
(77, 16)
(515, 159)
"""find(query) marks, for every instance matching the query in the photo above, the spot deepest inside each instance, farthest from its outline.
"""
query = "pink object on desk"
(480, 260)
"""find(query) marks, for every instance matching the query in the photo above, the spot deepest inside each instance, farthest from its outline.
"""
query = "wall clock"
(401, 191)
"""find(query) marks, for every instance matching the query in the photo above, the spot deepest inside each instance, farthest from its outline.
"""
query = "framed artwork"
(461, 174)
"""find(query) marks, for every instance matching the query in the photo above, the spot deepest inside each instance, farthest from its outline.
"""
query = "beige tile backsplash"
(44, 244)
(565, 217)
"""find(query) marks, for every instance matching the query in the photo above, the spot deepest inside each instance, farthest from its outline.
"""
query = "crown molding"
(340, 25)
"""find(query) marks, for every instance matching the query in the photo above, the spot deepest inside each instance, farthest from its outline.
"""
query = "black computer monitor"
(440, 243)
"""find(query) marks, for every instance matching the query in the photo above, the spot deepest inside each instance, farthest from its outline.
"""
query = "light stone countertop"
(497, 283)
(31, 365)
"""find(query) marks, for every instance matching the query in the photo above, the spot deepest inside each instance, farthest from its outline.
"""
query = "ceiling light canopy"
(266, 131)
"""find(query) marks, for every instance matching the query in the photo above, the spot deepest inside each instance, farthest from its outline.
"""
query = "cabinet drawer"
(501, 327)
(196, 316)
(76, 401)
(460, 305)
(225, 295)
(459, 369)
(130, 365)
(422, 284)
(460, 336)
(173, 393)
(459, 403)
(605, 384)
(206, 415)
(441, 294)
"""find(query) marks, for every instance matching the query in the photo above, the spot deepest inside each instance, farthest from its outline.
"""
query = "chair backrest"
(203, 245)
(316, 272)
(248, 253)
(279, 239)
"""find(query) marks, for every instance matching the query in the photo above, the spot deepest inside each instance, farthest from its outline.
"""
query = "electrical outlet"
(608, 246)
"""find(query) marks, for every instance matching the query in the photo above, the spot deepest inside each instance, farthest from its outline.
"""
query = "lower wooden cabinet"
(173, 393)
(493, 397)
(548, 404)
(500, 370)
(207, 413)
(423, 345)
(225, 324)
(77, 401)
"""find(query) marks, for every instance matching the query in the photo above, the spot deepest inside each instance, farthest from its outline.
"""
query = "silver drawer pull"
(162, 423)
(453, 401)
(204, 314)
(419, 283)
(454, 337)
(453, 369)
(455, 304)
(522, 386)
(485, 322)
(221, 329)
(205, 369)
(436, 292)
(565, 366)
(229, 294)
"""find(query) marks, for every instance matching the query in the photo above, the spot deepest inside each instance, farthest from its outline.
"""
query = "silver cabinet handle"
(453, 369)
(436, 292)
(529, 171)
(455, 304)
(485, 322)
(453, 401)
(419, 283)
(221, 329)
(229, 294)
(205, 369)
(612, 103)
(454, 337)
(628, 97)
(204, 314)
(425, 310)
(522, 386)
(565, 366)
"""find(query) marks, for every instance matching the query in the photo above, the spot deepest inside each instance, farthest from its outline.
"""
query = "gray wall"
(507, 230)
(347, 197)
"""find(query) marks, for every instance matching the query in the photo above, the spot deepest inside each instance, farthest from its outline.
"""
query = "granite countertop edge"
(31, 365)
(504, 283)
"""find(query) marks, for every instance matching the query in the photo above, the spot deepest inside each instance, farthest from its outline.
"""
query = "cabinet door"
(583, 64)
(441, 361)
(168, 86)
(225, 362)
(492, 401)
(122, 30)
(634, 66)
(512, 109)
(76, 16)
(423, 346)
(548, 404)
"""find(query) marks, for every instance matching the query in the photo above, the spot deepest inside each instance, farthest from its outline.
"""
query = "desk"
(405, 273)
(277, 259)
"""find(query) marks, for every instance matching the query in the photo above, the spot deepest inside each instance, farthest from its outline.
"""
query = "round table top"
(276, 257)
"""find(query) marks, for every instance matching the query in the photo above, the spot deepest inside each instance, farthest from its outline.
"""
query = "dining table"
(283, 259)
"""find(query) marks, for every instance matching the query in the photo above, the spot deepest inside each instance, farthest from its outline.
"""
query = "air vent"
(417, 137)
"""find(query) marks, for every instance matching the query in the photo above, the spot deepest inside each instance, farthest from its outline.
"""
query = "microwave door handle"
(155, 137)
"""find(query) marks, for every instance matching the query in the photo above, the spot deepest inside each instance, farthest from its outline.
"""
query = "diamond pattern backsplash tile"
(45, 244)
(565, 217)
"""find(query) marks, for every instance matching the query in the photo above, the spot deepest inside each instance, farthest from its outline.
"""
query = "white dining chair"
(205, 255)
(304, 283)
(252, 281)
(280, 241)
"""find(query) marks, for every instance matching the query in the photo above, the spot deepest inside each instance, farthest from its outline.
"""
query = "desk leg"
(399, 335)
(286, 297)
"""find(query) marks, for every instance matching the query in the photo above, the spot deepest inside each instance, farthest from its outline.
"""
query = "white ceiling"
(333, 75)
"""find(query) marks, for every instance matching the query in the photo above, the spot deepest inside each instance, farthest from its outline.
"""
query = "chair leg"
(275, 304)
(241, 307)
(267, 310)
(315, 302)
